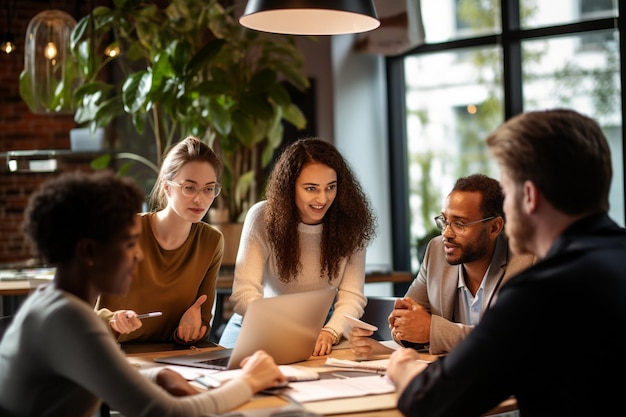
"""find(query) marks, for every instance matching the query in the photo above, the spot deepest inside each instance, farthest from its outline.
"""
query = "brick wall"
(22, 130)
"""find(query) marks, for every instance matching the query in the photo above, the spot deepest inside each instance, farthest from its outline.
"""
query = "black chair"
(376, 312)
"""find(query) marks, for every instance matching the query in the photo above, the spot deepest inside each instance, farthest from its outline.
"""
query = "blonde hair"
(190, 149)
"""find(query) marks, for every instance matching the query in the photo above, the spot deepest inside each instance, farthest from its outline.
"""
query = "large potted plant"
(188, 67)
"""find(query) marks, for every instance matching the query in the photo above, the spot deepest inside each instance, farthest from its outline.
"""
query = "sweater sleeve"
(252, 256)
(207, 251)
(80, 348)
(350, 298)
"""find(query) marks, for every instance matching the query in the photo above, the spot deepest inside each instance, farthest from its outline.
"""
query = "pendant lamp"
(47, 63)
(310, 17)
(7, 41)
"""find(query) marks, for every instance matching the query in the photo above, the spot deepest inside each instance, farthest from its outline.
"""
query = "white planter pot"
(81, 139)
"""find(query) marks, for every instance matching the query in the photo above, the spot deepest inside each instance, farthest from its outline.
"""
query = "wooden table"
(265, 401)
(18, 287)
(14, 292)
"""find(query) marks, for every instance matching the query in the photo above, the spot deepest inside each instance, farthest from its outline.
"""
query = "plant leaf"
(204, 56)
(101, 162)
(135, 92)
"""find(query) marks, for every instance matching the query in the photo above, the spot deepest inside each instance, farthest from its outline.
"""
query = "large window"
(475, 70)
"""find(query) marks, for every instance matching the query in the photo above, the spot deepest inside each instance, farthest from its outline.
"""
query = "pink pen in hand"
(147, 315)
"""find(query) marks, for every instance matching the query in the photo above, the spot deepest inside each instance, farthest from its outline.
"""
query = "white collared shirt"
(467, 310)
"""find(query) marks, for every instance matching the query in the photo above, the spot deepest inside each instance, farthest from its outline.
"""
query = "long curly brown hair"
(349, 223)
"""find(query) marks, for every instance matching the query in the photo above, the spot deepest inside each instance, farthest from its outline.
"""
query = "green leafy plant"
(189, 68)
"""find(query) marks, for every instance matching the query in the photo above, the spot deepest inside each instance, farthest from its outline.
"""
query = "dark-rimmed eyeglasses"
(190, 190)
(458, 228)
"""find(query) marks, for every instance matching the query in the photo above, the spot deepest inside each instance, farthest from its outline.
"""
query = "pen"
(147, 315)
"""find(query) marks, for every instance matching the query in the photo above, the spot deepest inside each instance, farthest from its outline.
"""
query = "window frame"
(510, 40)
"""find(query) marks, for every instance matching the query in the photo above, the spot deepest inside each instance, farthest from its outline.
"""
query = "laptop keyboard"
(218, 363)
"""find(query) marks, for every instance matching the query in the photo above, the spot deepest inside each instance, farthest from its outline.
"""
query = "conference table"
(143, 356)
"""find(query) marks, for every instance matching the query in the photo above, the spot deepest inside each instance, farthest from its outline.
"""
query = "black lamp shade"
(310, 17)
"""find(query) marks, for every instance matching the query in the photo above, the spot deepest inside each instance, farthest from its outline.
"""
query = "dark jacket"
(553, 338)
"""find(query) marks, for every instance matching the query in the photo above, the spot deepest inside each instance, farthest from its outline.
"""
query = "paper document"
(373, 365)
(353, 405)
(327, 389)
(292, 372)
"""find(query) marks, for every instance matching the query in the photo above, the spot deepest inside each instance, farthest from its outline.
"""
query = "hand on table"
(174, 383)
(190, 328)
(324, 344)
(261, 372)
(125, 321)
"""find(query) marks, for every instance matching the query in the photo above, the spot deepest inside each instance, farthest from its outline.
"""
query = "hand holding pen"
(127, 321)
(148, 315)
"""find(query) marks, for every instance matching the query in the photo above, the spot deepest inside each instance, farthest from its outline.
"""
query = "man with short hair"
(555, 173)
(459, 276)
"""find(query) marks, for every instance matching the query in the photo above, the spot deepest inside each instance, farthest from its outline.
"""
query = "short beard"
(473, 251)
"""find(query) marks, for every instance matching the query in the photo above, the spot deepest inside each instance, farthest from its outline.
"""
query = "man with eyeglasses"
(459, 276)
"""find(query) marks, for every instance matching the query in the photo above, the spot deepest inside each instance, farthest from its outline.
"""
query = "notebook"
(285, 326)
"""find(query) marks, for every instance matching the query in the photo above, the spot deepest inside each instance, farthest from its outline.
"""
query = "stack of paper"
(374, 365)
(328, 389)
(292, 372)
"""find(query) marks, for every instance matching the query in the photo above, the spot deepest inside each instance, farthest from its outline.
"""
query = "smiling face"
(316, 189)
(193, 208)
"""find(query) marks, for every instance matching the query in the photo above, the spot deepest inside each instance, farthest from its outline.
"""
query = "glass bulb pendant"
(48, 65)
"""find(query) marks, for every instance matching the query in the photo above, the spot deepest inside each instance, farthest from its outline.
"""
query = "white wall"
(360, 115)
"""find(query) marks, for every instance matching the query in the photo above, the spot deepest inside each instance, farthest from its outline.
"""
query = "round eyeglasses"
(457, 227)
(190, 190)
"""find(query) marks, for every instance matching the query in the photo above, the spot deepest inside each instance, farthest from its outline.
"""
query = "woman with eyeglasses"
(310, 233)
(183, 254)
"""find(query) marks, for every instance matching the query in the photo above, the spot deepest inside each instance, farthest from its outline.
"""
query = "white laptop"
(285, 326)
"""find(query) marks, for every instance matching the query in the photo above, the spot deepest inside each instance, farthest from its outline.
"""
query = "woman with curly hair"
(310, 233)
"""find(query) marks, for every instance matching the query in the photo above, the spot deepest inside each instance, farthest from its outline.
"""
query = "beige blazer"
(435, 288)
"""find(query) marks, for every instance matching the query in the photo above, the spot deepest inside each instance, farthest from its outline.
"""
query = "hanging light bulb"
(7, 41)
(50, 51)
(112, 50)
(48, 65)
(7, 45)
